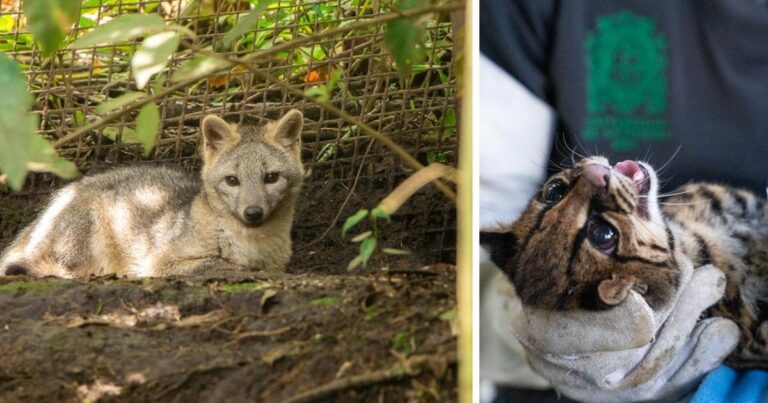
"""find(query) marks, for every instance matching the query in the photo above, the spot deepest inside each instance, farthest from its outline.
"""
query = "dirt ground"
(228, 336)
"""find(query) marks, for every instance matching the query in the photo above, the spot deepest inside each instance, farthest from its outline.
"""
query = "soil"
(425, 225)
(232, 336)
(320, 334)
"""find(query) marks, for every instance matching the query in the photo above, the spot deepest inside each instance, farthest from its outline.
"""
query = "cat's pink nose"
(597, 174)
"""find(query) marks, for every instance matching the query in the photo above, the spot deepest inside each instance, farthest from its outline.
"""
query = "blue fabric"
(726, 385)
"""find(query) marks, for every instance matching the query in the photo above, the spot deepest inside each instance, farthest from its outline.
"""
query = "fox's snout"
(253, 215)
(16, 269)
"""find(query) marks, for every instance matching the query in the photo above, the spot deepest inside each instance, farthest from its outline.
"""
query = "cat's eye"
(602, 235)
(554, 192)
(232, 180)
(271, 177)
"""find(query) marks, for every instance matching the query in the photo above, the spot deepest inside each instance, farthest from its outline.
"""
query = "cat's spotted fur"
(594, 232)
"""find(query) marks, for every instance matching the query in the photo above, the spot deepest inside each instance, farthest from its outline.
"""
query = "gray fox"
(145, 221)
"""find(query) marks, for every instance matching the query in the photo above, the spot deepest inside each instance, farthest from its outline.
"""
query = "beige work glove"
(627, 353)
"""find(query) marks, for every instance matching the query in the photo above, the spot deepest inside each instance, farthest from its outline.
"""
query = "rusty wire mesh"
(419, 113)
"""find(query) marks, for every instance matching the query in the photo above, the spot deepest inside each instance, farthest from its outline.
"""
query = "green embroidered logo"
(626, 81)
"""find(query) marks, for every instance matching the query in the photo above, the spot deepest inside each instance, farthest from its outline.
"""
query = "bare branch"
(258, 55)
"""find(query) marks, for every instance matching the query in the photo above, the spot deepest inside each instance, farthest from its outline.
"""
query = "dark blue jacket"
(642, 79)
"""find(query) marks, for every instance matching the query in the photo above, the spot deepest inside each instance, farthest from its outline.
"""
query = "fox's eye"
(553, 192)
(271, 177)
(602, 235)
(232, 180)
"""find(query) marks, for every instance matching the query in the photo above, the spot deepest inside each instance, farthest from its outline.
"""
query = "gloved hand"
(629, 352)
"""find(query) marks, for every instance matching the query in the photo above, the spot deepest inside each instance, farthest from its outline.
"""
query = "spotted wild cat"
(595, 231)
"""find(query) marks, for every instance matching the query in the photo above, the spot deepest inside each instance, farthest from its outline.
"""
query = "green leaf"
(7, 22)
(159, 84)
(353, 220)
(147, 126)
(128, 135)
(357, 261)
(419, 68)
(153, 55)
(379, 213)
(444, 78)
(450, 117)
(46, 160)
(50, 21)
(405, 39)
(370, 313)
(335, 77)
(360, 237)
(449, 315)
(320, 93)
(436, 156)
(86, 22)
(22, 148)
(114, 103)
(121, 29)
(327, 152)
(246, 23)
(393, 251)
(79, 118)
(328, 300)
(94, 3)
(199, 67)
(403, 342)
(150, 8)
(366, 249)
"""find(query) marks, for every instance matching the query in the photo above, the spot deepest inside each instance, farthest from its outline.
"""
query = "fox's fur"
(155, 221)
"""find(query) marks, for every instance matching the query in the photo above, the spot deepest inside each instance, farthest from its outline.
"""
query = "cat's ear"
(500, 245)
(615, 290)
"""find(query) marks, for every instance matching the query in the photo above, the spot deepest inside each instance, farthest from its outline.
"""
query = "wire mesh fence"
(346, 169)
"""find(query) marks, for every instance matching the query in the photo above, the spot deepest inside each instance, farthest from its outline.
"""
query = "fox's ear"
(287, 131)
(217, 133)
(500, 245)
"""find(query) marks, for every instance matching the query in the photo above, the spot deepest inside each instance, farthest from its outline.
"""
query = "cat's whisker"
(545, 166)
(645, 224)
(662, 181)
(661, 197)
(683, 203)
(553, 164)
(666, 164)
(561, 149)
(692, 190)
(665, 195)
(574, 152)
